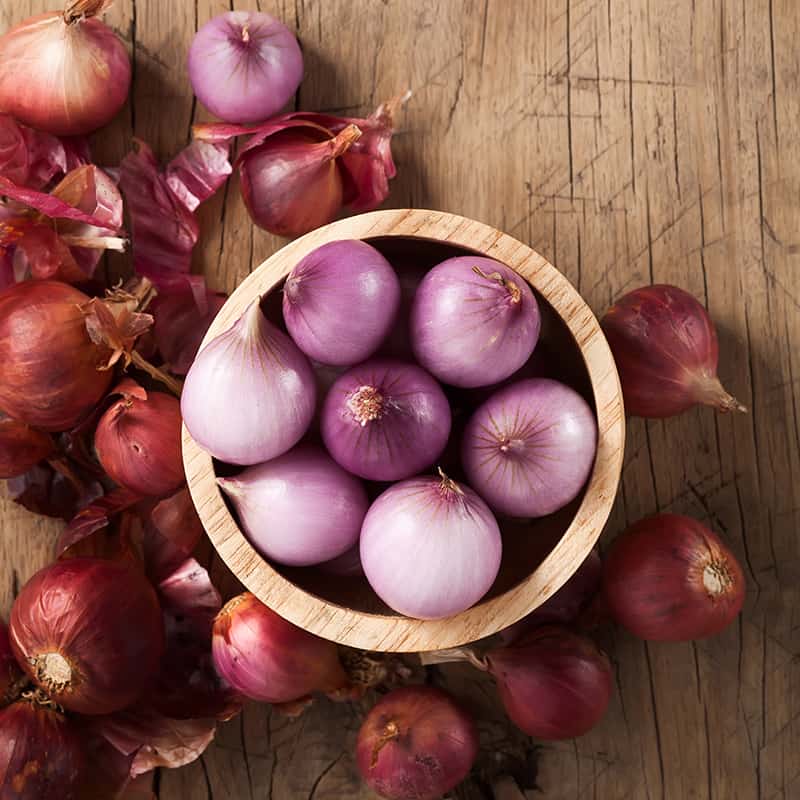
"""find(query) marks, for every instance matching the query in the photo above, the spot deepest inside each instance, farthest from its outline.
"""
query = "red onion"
(41, 753)
(553, 683)
(250, 394)
(244, 66)
(138, 441)
(670, 578)
(12, 680)
(530, 447)
(268, 659)
(64, 72)
(430, 547)
(666, 350)
(301, 508)
(89, 633)
(474, 321)
(385, 420)
(416, 743)
(340, 301)
(21, 447)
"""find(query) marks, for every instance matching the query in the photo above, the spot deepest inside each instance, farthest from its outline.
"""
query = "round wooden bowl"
(539, 555)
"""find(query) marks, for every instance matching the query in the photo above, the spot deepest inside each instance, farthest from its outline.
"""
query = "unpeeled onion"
(21, 447)
(12, 680)
(64, 72)
(416, 743)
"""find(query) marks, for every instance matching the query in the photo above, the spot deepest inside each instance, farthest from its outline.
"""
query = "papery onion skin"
(416, 743)
(385, 420)
(670, 578)
(300, 508)
(430, 547)
(291, 183)
(250, 394)
(553, 683)
(473, 322)
(266, 658)
(50, 370)
(529, 449)
(138, 443)
(665, 347)
(340, 301)
(12, 680)
(21, 447)
(88, 632)
(61, 75)
(41, 753)
(244, 66)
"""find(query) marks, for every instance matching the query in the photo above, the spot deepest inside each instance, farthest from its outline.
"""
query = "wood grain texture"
(626, 141)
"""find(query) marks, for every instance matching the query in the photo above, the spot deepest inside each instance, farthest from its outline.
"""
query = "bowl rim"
(383, 632)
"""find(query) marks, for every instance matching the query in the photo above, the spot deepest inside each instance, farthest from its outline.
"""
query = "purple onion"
(244, 66)
(299, 509)
(430, 547)
(340, 302)
(529, 449)
(250, 394)
(474, 321)
(385, 420)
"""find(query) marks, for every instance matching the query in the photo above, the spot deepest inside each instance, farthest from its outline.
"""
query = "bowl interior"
(525, 542)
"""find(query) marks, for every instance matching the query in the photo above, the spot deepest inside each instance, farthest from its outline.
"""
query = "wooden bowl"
(539, 555)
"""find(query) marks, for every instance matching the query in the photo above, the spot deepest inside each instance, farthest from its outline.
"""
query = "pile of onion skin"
(120, 656)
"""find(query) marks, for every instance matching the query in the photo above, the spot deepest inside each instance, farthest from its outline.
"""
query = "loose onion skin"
(21, 447)
(340, 302)
(666, 350)
(416, 743)
(473, 322)
(76, 70)
(250, 394)
(88, 632)
(529, 449)
(50, 370)
(138, 443)
(385, 420)
(41, 753)
(430, 547)
(301, 508)
(266, 658)
(670, 578)
(12, 680)
(553, 683)
(245, 66)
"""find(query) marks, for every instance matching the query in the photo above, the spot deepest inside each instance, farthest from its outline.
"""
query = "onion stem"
(496, 277)
(140, 362)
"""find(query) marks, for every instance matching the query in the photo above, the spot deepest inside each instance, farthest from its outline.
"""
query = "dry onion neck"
(448, 487)
(390, 731)
(81, 9)
(513, 290)
(717, 579)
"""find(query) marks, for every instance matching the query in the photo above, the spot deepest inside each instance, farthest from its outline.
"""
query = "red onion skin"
(300, 508)
(50, 374)
(416, 743)
(266, 658)
(670, 578)
(254, 378)
(430, 548)
(92, 64)
(529, 449)
(12, 679)
(665, 347)
(244, 66)
(473, 321)
(89, 632)
(41, 753)
(21, 447)
(385, 420)
(553, 683)
(340, 301)
(138, 443)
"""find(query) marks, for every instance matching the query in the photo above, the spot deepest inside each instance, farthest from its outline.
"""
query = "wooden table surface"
(629, 141)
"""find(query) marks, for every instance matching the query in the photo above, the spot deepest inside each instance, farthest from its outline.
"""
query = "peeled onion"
(250, 394)
(416, 743)
(301, 508)
(64, 72)
(430, 547)
(529, 449)
(340, 302)
(474, 321)
(89, 633)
